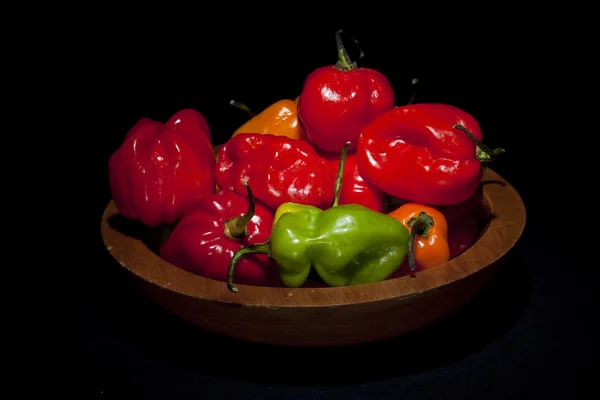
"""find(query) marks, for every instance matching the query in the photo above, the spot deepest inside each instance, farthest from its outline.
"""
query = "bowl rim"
(502, 233)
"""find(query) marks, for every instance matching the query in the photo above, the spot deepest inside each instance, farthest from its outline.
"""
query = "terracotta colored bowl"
(318, 316)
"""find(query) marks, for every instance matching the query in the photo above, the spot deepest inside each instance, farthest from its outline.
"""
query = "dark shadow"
(493, 182)
(183, 345)
(151, 237)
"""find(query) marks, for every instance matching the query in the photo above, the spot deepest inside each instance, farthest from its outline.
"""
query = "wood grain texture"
(327, 316)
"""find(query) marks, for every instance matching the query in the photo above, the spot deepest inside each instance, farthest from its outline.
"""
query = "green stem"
(340, 175)
(257, 248)
(484, 153)
(344, 62)
(237, 227)
(242, 107)
(419, 225)
(415, 83)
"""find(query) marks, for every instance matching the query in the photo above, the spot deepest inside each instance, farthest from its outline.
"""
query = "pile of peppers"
(340, 186)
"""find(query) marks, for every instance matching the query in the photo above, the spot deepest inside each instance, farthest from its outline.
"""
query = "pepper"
(159, 169)
(278, 168)
(346, 244)
(424, 153)
(429, 229)
(464, 222)
(280, 118)
(337, 101)
(213, 229)
(355, 189)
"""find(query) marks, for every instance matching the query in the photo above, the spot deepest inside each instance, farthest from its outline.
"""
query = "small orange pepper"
(280, 118)
(428, 242)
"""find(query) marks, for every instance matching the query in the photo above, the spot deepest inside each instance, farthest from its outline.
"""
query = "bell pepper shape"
(424, 153)
(280, 118)
(160, 169)
(428, 242)
(218, 225)
(278, 169)
(337, 101)
(346, 244)
(464, 222)
(355, 189)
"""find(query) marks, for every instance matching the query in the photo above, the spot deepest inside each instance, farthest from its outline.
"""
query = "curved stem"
(344, 62)
(415, 83)
(257, 248)
(484, 153)
(419, 225)
(340, 175)
(237, 227)
(242, 107)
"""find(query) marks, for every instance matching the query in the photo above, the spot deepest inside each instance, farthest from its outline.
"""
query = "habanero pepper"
(425, 153)
(428, 244)
(160, 169)
(337, 101)
(280, 118)
(464, 222)
(218, 225)
(345, 244)
(278, 169)
(355, 189)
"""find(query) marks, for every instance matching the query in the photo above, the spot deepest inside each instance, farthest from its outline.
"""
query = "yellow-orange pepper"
(428, 243)
(280, 118)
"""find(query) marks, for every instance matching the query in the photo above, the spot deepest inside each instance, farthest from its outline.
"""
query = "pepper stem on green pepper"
(237, 227)
(340, 175)
(484, 153)
(419, 225)
(344, 62)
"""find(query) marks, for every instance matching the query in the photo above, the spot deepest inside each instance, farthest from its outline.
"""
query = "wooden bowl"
(317, 316)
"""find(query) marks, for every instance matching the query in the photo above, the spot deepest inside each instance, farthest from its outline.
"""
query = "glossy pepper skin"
(428, 242)
(204, 241)
(278, 169)
(280, 118)
(355, 189)
(464, 222)
(160, 169)
(337, 101)
(345, 244)
(421, 153)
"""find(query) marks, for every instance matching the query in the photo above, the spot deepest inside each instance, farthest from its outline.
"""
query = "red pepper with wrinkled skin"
(188, 118)
(426, 153)
(337, 101)
(213, 229)
(160, 169)
(355, 189)
(279, 170)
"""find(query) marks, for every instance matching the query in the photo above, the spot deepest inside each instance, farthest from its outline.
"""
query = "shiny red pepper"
(425, 153)
(159, 169)
(213, 229)
(355, 189)
(464, 222)
(188, 118)
(337, 101)
(279, 170)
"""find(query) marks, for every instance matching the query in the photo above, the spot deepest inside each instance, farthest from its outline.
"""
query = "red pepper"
(188, 118)
(355, 189)
(218, 225)
(337, 101)
(159, 169)
(425, 153)
(279, 170)
(464, 222)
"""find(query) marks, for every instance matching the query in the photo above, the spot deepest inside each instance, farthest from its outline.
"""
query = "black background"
(524, 337)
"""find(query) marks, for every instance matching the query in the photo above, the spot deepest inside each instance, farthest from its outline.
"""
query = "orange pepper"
(280, 118)
(429, 228)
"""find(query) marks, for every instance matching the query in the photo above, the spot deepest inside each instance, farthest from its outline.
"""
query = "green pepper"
(346, 244)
